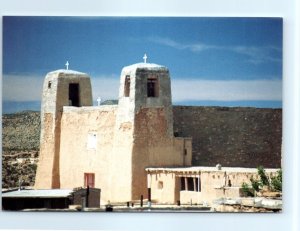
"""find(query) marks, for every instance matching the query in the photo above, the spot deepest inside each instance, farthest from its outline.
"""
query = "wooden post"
(194, 183)
(149, 194)
(142, 200)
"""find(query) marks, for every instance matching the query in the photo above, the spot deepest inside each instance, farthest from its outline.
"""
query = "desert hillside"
(20, 148)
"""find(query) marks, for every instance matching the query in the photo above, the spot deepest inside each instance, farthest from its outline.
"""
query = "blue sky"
(212, 61)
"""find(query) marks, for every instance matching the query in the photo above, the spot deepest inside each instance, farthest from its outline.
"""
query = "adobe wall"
(233, 137)
(214, 184)
(47, 160)
(55, 96)
(120, 165)
(77, 155)
(165, 187)
(152, 146)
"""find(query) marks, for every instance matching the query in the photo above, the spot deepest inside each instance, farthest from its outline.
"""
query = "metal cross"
(145, 58)
(99, 101)
(67, 65)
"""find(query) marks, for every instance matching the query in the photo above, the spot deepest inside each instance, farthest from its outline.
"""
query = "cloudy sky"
(212, 61)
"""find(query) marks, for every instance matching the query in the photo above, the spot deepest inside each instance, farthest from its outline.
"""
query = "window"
(182, 183)
(89, 180)
(127, 86)
(49, 84)
(74, 94)
(92, 140)
(152, 87)
(160, 185)
(190, 184)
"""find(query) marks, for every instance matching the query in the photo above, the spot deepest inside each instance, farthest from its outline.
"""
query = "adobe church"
(130, 149)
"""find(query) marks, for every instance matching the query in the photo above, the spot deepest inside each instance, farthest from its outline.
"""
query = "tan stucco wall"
(190, 197)
(152, 146)
(121, 163)
(168, 193)
(47, 175)
(55, 95)
(75, 157)
(213, 183)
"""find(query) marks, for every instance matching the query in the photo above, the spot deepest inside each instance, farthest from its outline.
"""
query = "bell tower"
(145, 85)
(144, 128)
(61, 88)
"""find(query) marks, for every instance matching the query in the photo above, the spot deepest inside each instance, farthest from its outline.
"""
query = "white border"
(288, 220)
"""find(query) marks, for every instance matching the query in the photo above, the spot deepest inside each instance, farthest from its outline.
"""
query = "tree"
(274, 184)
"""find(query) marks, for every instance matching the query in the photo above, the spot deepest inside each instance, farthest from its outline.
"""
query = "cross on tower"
(145, 58)
(99, 101)
(67, 65)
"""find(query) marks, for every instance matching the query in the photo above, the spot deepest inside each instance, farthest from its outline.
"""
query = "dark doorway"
(74, 94)
(152, 87)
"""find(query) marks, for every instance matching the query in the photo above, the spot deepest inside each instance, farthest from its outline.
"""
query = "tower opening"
(74, 94)
(152, 87)
(127, 86)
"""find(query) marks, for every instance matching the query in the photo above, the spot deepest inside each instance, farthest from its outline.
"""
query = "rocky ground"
(20, 148)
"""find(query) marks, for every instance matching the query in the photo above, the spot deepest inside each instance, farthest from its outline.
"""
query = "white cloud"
(22, 88)
(254, 54)
(196, 47)
(219, 90)
(105, 87)
(29, 88)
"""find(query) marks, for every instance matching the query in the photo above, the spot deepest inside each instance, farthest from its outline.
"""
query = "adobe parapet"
(67, 109)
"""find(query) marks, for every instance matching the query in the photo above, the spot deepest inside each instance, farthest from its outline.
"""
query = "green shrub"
(248, 192)
(276, 181)
(255, 184)
(264, 180)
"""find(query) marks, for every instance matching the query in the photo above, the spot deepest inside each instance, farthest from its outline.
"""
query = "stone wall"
(233, 137)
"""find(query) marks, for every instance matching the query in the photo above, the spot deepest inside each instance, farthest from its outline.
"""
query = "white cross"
(67, 65)
(99, 101)
(145, 58)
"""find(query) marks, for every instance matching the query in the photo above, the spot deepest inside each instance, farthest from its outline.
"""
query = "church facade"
(131, 149)
(108, 147)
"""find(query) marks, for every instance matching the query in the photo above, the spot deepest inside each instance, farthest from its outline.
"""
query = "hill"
(20, 148)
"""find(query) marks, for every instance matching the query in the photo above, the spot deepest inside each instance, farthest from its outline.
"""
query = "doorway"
(74, 94)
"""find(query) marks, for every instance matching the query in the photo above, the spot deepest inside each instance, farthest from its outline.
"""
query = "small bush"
(264, 180)
(255, 184)
(247, 190)
(276, 181)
